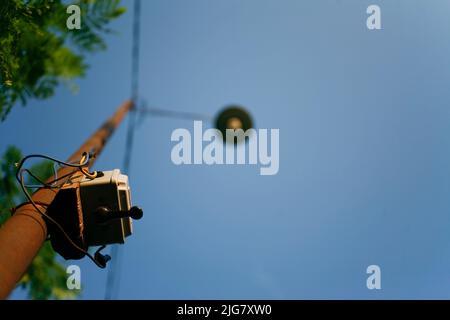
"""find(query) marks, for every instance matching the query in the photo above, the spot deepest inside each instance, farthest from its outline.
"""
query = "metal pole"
(23, 234)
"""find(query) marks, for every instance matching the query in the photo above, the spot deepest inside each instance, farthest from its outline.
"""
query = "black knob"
(104, 214)
(136, 213)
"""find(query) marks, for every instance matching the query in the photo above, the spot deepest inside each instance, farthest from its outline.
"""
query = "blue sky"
(364, 149)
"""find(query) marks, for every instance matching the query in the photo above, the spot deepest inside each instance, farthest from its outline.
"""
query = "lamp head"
(233, 117)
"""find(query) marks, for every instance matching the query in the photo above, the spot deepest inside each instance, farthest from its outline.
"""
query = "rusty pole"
(23, 234)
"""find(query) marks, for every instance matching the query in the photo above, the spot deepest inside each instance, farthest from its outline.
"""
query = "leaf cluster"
(38, 51)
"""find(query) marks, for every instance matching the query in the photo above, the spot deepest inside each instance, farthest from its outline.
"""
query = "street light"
(231, 117)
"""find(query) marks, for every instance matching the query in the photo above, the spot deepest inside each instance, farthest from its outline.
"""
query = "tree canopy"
(38, 51)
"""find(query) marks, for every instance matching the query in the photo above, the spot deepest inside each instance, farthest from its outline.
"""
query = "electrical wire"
(82, 163)
(20, 178)
(43, 183)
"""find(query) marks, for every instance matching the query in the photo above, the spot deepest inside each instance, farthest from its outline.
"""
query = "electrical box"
(111, 192)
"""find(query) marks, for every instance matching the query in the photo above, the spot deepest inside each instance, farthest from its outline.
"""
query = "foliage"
(46, 277)
(38, 51)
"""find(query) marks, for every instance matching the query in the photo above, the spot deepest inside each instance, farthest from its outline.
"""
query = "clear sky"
(364, 119)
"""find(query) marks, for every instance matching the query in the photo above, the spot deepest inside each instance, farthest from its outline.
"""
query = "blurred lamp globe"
(233, 117)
